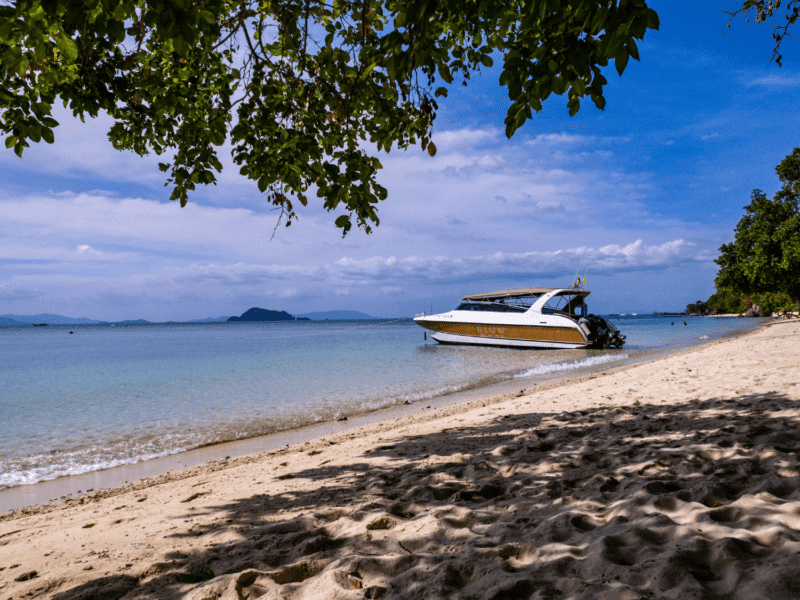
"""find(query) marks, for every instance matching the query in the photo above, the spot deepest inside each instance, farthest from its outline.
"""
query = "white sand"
(678, 478)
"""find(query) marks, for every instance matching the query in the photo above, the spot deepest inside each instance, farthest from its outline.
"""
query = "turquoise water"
(105, 396)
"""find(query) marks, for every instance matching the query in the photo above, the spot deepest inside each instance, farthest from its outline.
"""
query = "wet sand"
(675, 478)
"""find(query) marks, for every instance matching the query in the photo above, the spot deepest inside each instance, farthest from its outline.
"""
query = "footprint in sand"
(618, 552)
(584, 523)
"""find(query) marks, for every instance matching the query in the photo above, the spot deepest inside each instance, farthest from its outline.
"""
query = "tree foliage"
(765, 254)
(770, 10)
(726, 301)
(302, 89)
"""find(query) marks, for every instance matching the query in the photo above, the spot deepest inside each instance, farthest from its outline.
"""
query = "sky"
(639, 197)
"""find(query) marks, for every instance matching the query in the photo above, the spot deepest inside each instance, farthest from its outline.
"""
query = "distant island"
(262, 314)
(50, 319)
(7, 322)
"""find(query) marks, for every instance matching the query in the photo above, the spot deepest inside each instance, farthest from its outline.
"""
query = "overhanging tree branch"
(334, 75)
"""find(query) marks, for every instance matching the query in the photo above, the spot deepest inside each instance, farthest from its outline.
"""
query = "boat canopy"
(521, 293)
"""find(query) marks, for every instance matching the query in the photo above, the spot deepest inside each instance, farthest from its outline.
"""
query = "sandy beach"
(676, 478)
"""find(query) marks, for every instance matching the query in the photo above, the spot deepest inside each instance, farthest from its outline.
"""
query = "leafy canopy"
(769, 10)
(300, 88)
(765, 254)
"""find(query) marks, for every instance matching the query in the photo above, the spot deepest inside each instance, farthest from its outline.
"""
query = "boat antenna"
(576, 279)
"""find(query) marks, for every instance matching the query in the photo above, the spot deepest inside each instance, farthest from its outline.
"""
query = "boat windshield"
(565, 304)
(492, 307)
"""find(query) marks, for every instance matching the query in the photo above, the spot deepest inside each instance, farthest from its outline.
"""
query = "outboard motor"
(603, 333)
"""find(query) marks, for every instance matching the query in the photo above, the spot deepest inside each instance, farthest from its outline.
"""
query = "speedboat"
(524, 317)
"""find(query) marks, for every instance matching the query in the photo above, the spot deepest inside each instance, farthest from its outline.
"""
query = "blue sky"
(640, 195)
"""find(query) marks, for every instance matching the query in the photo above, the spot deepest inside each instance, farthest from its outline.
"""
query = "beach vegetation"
(760, 267)
(697, 308)
(762, 11)
(304, 93)
(726, 301)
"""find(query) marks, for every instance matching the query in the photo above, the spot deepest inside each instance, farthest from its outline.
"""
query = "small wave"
(30, 474)
(571, 364)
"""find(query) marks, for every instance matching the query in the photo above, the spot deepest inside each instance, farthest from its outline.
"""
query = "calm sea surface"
(106, 396)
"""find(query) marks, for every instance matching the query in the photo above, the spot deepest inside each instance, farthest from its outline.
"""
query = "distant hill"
(6, 322)
(208, 320)
(336, 315)
(51, 319)
(262, 314)
(132, 322)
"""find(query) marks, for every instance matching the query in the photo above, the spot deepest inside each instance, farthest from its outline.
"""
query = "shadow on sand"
(690, 501)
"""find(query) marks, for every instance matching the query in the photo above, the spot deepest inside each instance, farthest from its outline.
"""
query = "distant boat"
(39, 324)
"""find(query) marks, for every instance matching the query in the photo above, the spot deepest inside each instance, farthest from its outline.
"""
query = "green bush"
(727, 301)
(770, 302)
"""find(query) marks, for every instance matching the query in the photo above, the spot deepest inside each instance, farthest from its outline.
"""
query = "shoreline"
(72, 486)
(52, 491)
(672, 478)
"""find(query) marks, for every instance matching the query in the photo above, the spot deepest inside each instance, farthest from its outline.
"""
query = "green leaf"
(621, 61)
(599, 102)
(40, 52)
(599, 21)
(47, 136)
(444, 73)
(574, 105)
(67, 47)
(653, 21)
(632, 49)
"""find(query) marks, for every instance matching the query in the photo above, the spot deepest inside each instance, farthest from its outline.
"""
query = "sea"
(78, 399)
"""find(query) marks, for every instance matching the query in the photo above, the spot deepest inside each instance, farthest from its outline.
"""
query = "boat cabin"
(553, 301)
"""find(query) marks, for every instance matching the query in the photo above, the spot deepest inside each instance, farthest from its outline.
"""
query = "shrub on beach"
(771, 302)
(727, 301)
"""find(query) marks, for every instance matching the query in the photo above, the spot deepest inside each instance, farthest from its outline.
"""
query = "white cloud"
(561, 262)
(483, 209)
(347, 276)
(465, 138)
(775, 81)
(552, 139)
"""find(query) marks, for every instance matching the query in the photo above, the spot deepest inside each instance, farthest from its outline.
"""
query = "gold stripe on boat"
(508, 332)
